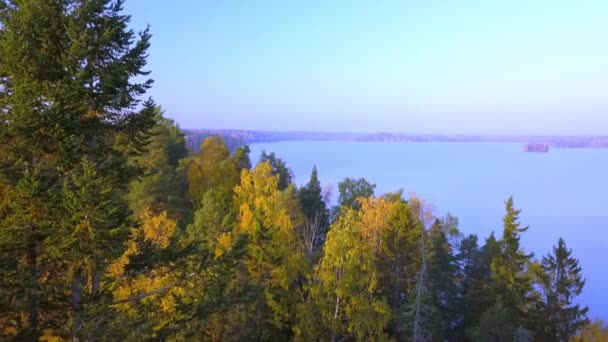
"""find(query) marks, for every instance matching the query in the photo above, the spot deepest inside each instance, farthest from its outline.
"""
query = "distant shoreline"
(235, 137)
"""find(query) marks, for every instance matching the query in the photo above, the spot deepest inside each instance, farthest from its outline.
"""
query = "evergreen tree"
(561, 281)
(67, 103)
(399, 261)
(241, 158)
(162, 187)
(422, 310)
(279, 168)
(475, 275)
(495, 324)
(315, 213)
(442, 279)
(510, 269)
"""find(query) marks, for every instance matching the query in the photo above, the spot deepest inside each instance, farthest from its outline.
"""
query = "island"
(538, 148)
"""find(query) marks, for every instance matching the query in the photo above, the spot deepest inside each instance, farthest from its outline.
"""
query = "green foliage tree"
(67, 97)
(279, 168)
(213, 168)
(495, 324)
(162, 187)
(272, 261)
(241, 158)
(351, 189)
(442, 279)
(475, 286)
(399, 261)
(346, 290)
(316, 215)
(110, 231)
(510, 269)
(561, 281)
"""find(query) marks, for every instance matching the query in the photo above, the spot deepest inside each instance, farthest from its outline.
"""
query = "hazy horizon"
(532, 134)
(470, 67)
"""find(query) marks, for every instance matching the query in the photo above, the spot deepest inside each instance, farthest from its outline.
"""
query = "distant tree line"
(111, 230)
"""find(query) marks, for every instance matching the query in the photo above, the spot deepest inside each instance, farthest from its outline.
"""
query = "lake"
(563, 193)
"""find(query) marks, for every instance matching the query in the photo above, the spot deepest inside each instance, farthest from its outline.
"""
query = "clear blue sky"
(422, 66)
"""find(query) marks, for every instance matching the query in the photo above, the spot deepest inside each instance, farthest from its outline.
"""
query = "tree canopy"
(111, 229)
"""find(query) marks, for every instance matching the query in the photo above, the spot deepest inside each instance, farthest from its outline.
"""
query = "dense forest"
(110, 229)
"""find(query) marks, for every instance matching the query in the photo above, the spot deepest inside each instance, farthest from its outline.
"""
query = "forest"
(112, 229)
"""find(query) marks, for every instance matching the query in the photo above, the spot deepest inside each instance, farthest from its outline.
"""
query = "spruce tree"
(279, 168)
(70, 110)
(315, 213)
(513, 282)
(162, 185)
(442, 279)
(561, 281)
(241, 158)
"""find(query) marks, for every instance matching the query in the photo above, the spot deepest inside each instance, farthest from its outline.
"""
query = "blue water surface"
(562, 193)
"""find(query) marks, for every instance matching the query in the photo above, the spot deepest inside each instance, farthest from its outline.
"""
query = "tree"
(561, 281)
(272, 261)
(442, 280)
(316, 215)
(495, 324)
(279, 168)
(351, 189)
(592, 332)
(346, 287)
(421, 308)
(241, 158)
(93, 219)
(67, 100)
(162, 187)
(212, 168)
(399, 258)
(475, 287)
(510, 268)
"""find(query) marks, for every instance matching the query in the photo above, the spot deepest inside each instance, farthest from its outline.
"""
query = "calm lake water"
(563, 193)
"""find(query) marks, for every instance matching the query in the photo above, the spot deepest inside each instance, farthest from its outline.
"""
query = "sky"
(413, 66)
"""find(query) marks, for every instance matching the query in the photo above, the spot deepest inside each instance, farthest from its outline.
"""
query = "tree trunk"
(32, 257)
(77, 288)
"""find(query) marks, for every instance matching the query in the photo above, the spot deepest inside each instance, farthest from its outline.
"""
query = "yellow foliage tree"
(347, 292)
(272, 261)
(212, 168)
(151, 295)
(596, 331)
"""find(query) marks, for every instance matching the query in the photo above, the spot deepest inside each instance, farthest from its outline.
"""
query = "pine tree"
(561, 282)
